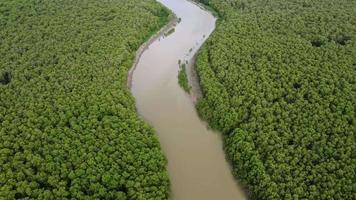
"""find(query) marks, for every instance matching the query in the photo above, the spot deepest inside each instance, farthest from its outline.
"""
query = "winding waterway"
(196, 161)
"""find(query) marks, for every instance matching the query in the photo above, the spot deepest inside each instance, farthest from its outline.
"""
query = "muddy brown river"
(197, 166)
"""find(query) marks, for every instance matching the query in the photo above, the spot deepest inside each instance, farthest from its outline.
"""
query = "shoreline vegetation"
(68, 123)
(277, 79)
(183, 78)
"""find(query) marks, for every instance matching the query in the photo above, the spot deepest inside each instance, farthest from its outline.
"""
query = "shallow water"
(196, 161)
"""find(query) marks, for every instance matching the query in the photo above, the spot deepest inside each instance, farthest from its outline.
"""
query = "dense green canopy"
(68, 127)
(279, 80)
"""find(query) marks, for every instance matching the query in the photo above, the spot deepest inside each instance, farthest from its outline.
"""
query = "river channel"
(197, 166)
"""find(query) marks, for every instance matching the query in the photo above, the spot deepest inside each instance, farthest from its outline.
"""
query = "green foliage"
(278, 79)
(183, 78)
(68, 126)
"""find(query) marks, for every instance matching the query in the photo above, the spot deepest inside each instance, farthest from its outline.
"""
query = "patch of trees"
(68, 126)
(278, 79)
(183, 78)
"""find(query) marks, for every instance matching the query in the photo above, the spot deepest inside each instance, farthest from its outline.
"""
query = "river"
(197, 166)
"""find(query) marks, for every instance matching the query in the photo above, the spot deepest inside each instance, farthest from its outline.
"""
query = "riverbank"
(172, 23)
(206, 8)
(195, 92)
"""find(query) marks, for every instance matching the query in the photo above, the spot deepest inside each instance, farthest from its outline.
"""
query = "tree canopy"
(278, 79)
(68, 125)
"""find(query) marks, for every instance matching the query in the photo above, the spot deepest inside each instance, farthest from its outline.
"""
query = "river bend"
(197, 166)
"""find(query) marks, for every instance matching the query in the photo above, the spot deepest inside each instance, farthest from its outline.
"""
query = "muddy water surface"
(196, 161)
